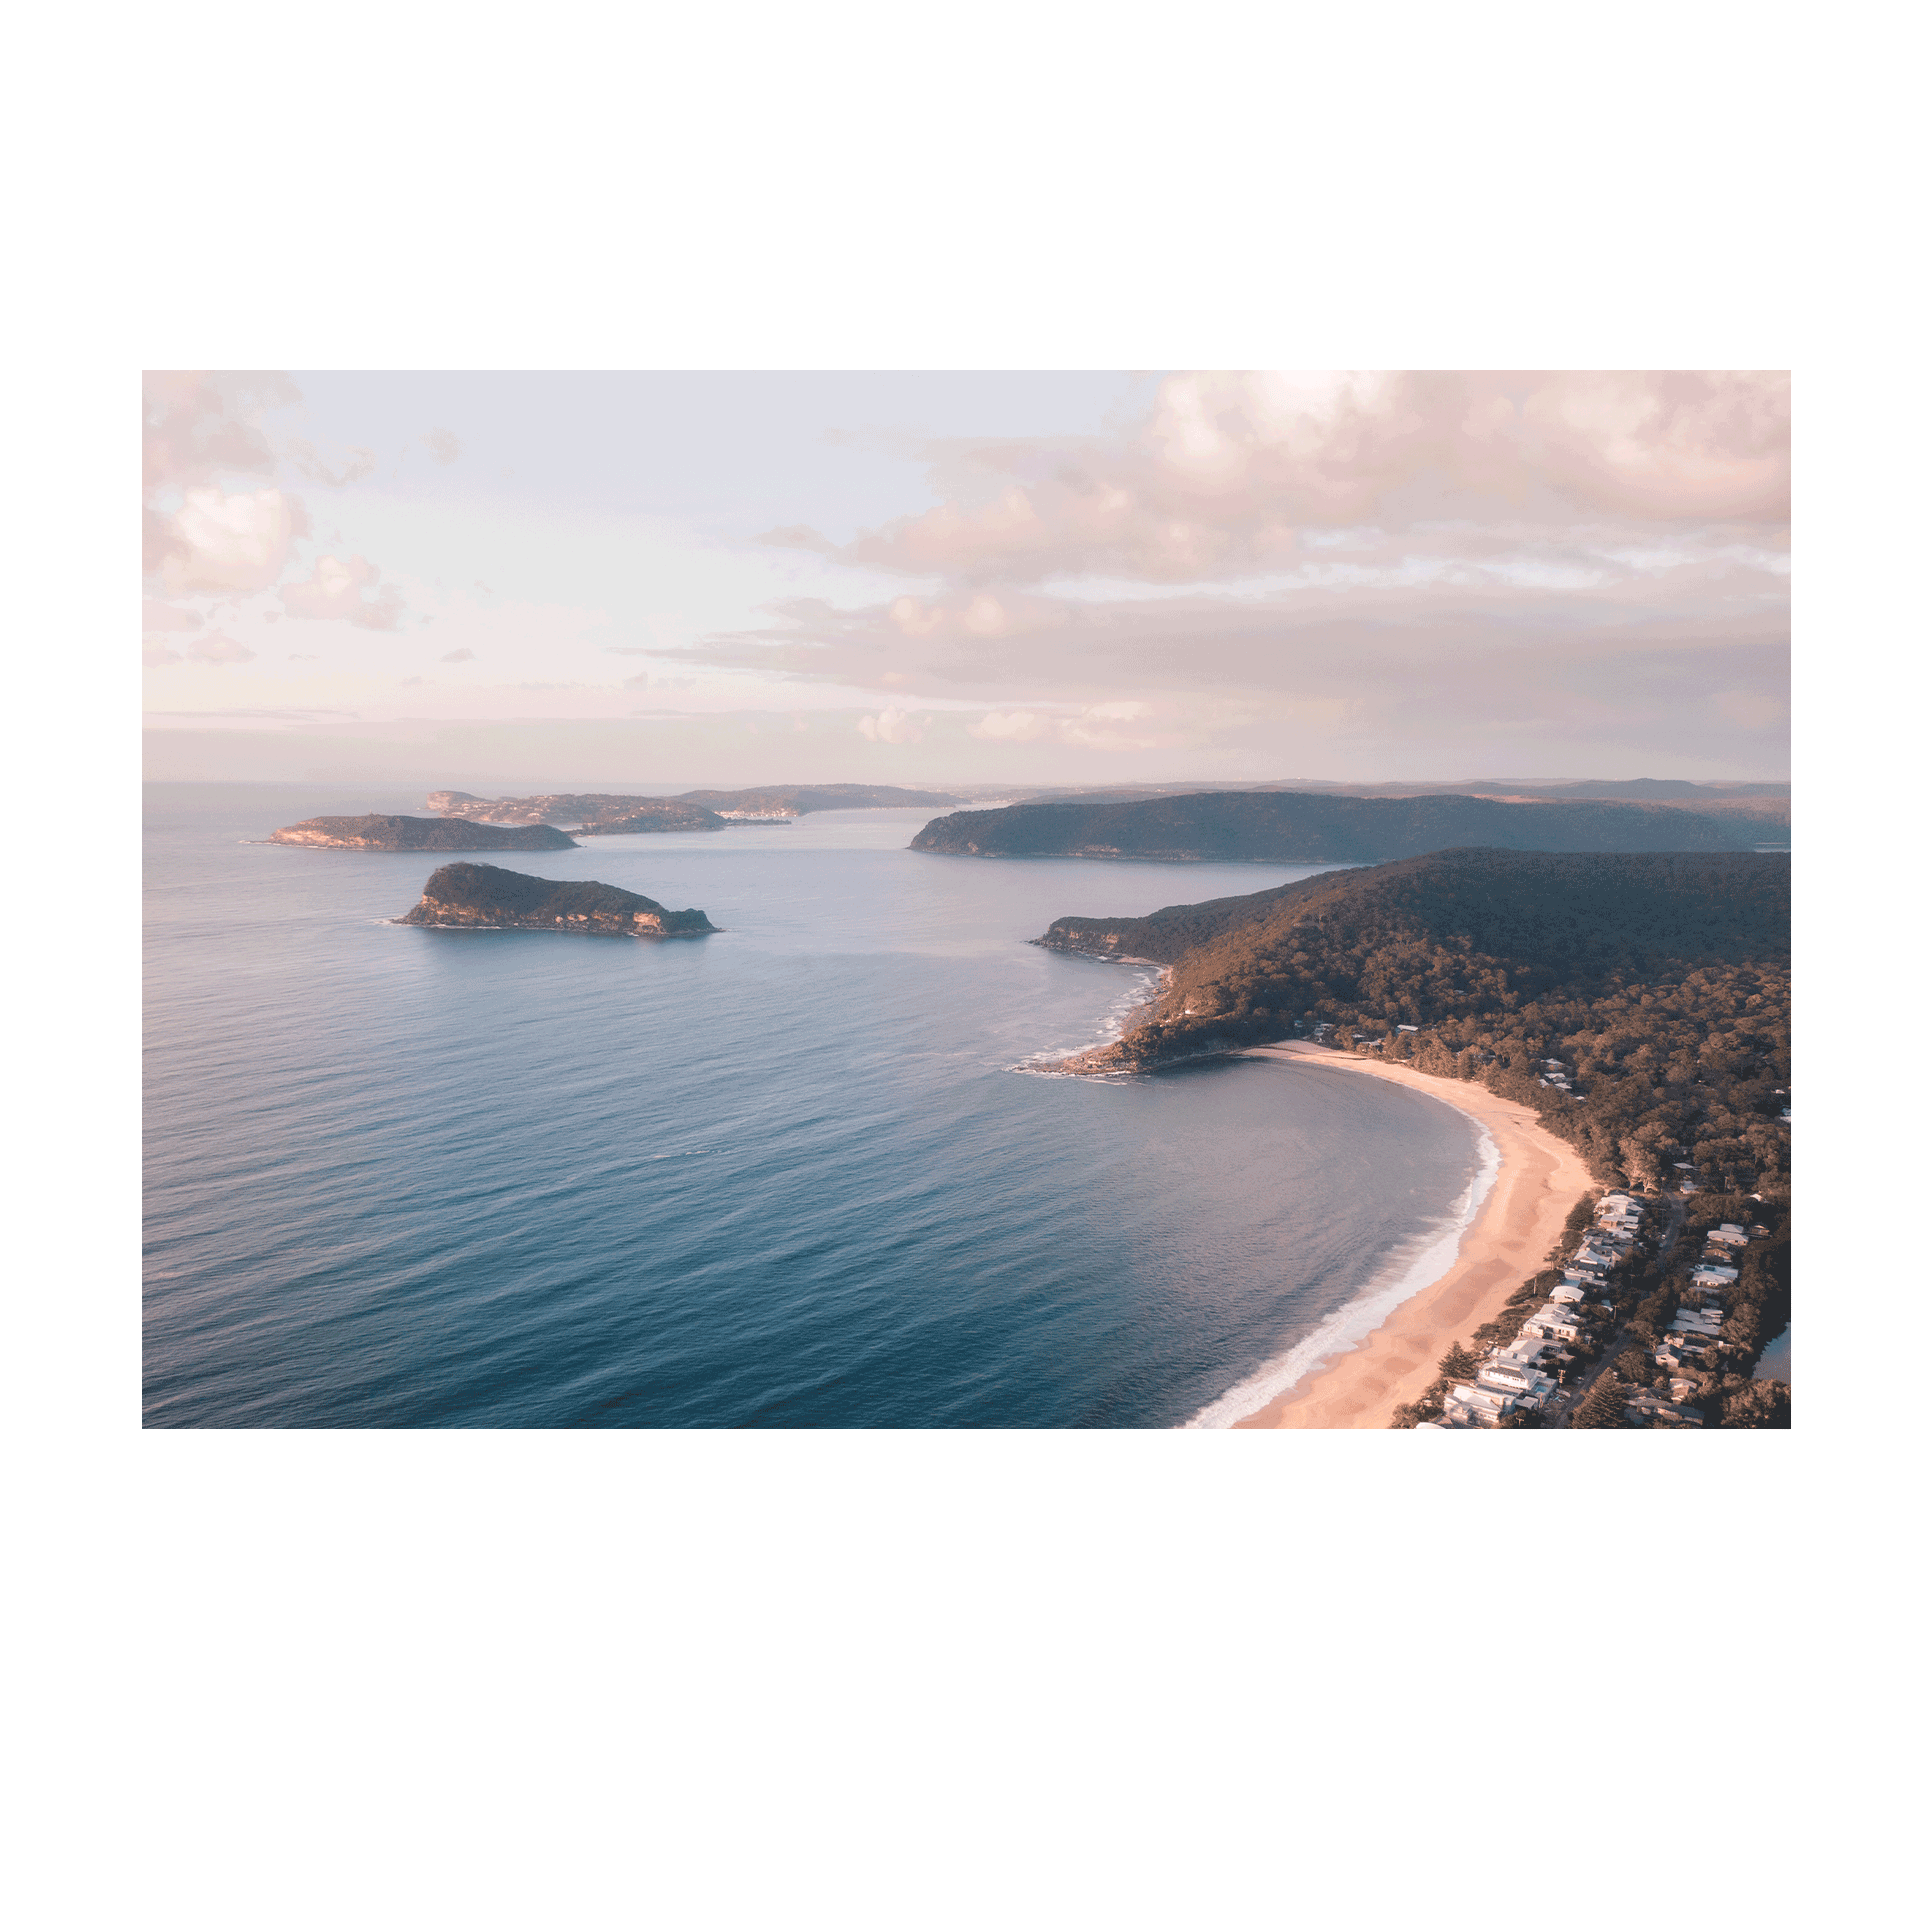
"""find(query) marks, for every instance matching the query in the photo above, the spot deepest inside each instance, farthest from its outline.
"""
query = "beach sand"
(1508, 1241)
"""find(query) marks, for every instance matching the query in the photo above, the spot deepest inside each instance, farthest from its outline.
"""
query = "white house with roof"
(1509, 1376)
(1522, 1352)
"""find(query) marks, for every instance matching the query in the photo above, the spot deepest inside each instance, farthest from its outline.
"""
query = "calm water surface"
(786, 1176)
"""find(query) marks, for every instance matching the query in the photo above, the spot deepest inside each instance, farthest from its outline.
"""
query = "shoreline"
(1506, 1240)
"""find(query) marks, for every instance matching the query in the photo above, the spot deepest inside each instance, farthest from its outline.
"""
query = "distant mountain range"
(1310, 828)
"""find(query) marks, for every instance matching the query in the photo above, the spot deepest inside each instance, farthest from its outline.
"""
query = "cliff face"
(1314, 827)
(407, 833)
(467, 895)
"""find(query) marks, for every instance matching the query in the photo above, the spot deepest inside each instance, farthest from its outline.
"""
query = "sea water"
(793, 1174)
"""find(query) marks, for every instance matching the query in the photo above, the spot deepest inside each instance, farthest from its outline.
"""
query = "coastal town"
(1654, 1366)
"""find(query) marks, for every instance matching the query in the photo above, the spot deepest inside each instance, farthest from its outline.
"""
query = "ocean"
(792, 1175)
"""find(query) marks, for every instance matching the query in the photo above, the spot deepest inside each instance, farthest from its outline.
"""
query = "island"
(702, 810)
(409, 833)
(1321, 828)
(653, 816)
(467, 895)
(1613, 1020)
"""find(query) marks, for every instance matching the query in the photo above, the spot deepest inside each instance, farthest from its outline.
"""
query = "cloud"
(157, 654)
(459, 653)
(893, 728)
(1230, 469)
(218, 650)
(195, 428)
(636, 684)
(360, 462)
(229, 542)
(442, 444)
(157, 616)
(1110, 726)
(338, 590)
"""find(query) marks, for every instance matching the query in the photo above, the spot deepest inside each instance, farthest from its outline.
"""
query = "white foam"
(1115, 1022)
(1412, 1266)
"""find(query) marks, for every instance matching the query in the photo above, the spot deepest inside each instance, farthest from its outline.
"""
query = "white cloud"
(218, 650)
(338, 590)
(893, 728)
(229, 542)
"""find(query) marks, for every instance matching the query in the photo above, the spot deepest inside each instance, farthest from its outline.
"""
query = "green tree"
(1760, 1403)
(1635, 1367)
(1605, 1406)
(1459, 1364)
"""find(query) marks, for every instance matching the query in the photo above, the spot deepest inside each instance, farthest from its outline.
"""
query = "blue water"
(1776, 1358)
(786, 1176)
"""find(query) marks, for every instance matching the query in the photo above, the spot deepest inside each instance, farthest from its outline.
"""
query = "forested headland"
(1655, 984)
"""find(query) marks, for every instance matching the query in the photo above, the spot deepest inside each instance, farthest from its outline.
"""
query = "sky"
(659, 580)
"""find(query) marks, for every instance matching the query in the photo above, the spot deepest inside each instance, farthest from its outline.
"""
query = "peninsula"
(409, 833)
(1619, 1019)
(466, 895)
(1316, 828)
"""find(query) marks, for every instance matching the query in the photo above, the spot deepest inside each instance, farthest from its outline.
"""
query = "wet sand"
(1519, 1224)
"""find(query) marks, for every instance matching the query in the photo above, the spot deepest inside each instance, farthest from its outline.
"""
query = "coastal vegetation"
(466, 895)
(1316, 827)
(409, 833)
(1656, 984)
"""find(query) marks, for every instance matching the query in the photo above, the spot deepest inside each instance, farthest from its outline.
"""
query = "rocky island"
(468, 895)
(408, 833)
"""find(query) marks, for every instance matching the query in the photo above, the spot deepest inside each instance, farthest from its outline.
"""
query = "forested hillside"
(1659, 982)
(1313, 827)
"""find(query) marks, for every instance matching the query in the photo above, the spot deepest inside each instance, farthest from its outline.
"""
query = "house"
(1508, 1376)
(1728, 1235)
(1710, 1277)
(1687, 1321)
(1483, 1405)
(1570, 1294)
(1555, 1322)
(1522, 1352)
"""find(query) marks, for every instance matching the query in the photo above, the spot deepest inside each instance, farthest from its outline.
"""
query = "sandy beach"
(1508, 1240)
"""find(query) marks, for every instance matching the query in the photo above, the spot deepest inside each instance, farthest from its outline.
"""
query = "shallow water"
(785, 1176)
